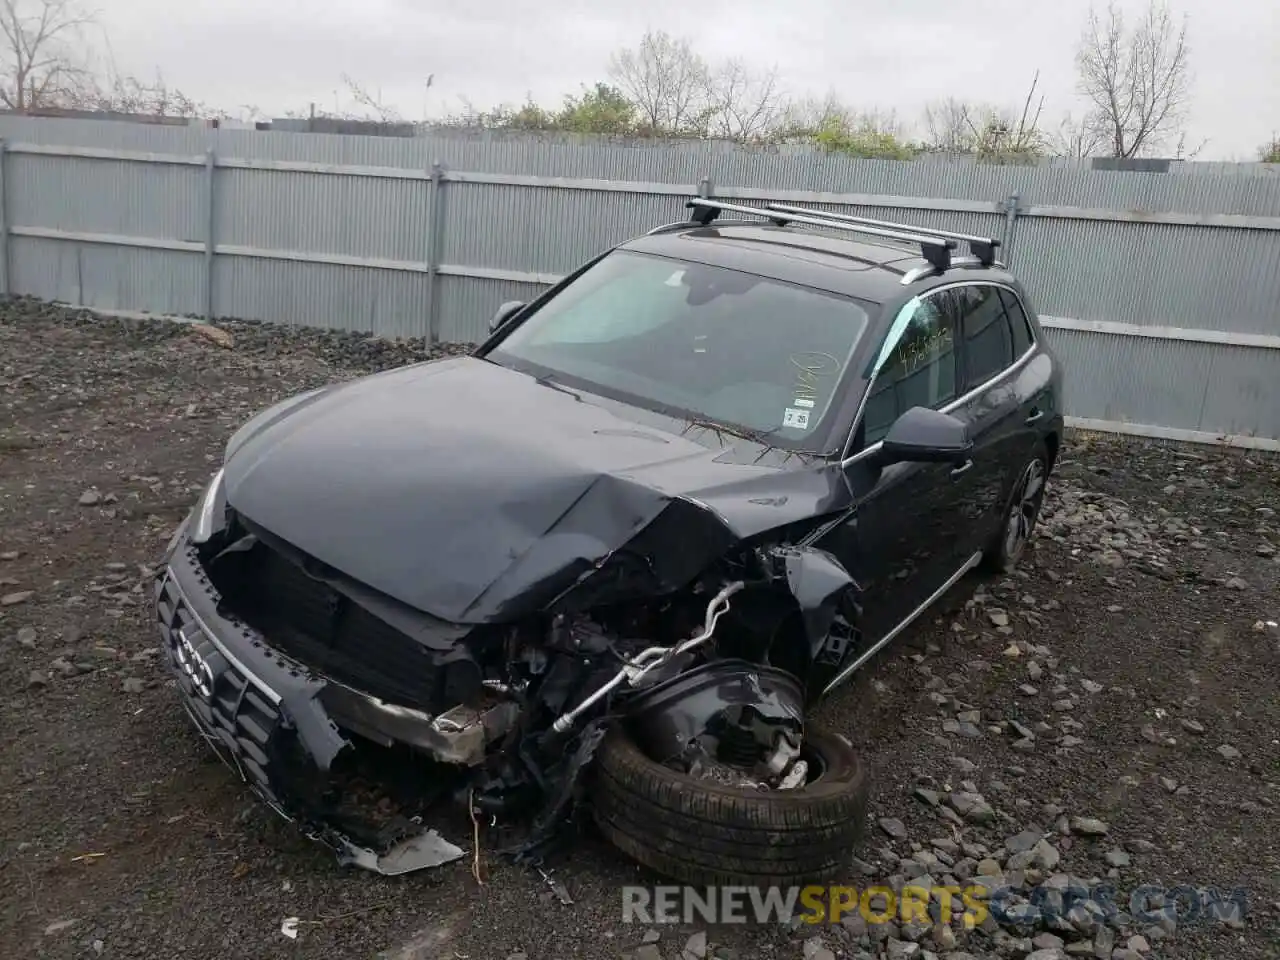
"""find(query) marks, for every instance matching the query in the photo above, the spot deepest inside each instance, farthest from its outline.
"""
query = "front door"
(900, 542)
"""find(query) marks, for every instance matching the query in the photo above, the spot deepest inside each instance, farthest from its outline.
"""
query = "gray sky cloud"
(281, 55)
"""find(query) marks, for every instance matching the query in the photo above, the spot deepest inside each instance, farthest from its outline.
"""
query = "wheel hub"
(1024, 509)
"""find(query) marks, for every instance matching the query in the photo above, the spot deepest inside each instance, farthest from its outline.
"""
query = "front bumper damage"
(263, 714)
(294, 734)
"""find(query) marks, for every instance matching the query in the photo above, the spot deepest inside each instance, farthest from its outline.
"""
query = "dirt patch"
(1127, 673)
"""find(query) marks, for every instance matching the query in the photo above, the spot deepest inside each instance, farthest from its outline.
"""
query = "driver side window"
(919, 370)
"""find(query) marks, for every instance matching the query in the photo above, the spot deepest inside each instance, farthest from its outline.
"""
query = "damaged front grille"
(307, 620)
(265, 728)
(240, 719)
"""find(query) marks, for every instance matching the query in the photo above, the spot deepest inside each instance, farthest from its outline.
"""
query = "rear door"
(992, 354)
(1039, 404)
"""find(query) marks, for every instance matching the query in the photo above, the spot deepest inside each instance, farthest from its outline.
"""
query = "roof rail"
(934, 247)
(984, 248)
(686, 224)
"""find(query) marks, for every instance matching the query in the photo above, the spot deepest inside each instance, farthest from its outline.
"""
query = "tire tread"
(710, 833)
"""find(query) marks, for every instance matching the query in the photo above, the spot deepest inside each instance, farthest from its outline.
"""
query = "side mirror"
(504, 314)
(922, 435)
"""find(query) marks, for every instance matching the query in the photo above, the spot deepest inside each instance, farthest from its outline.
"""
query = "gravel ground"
(1109, 712)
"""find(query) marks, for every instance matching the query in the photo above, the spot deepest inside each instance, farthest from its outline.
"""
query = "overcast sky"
(279, 55)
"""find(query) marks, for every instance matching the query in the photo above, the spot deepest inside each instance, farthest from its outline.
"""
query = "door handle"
(962, 469)
(1036, 414)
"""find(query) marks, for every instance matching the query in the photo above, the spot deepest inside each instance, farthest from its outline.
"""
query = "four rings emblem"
(198, 658)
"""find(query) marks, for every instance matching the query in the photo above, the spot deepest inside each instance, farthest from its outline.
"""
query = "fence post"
(210, 245)
(434, 232)
(704, 188)
(4, 230)
(1010, 223)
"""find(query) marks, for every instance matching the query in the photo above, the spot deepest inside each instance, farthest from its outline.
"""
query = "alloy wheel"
(1024, 509)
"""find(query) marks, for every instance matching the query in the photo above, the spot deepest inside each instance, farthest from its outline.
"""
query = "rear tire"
(1021, 513)
(706, 833)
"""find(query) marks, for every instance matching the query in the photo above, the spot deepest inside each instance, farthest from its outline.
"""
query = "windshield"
(695, 340)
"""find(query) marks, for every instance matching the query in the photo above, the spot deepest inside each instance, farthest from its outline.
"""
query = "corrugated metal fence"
(1161, 291)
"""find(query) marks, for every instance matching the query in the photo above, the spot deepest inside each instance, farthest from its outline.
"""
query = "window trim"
(964, 398)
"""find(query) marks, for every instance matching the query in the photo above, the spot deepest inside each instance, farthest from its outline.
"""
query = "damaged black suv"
(609, 561)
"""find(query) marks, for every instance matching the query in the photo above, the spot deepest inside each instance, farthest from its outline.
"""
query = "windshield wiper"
(549, 380)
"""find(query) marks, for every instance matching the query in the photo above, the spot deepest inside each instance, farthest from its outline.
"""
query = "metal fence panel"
(390, 303)
(308, 212)
(104, 196)
(1151, 274)
(107, 277)
(543, 230)
(1185, 386)
(1160, 290)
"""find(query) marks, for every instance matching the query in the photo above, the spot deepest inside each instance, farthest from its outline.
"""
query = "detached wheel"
(703, 832)
(1021, 514)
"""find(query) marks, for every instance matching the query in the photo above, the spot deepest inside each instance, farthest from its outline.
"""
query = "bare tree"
(986, 131)
(41, 63)
(668, 82)
(746, 103)
(369, 105)
(803, 119)
(1270, 152)
(1025, 136)
(948, 126)
(1137, 80)
(1077, 139)
(1184, 151)
(153, 98)
(884, 122)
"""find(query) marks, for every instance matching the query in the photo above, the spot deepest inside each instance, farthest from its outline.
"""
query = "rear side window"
(1021, 326)
(988, 341)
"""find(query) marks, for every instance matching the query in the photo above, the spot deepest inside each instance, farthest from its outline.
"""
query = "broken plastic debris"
(289, 927)
(417, 853)
(560, 891)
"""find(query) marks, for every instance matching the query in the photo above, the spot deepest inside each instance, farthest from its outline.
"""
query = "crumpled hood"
(474, 493)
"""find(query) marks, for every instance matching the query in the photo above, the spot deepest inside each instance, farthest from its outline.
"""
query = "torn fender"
(819, 583)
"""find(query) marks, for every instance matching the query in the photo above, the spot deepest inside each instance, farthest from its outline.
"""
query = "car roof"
(866, 268)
